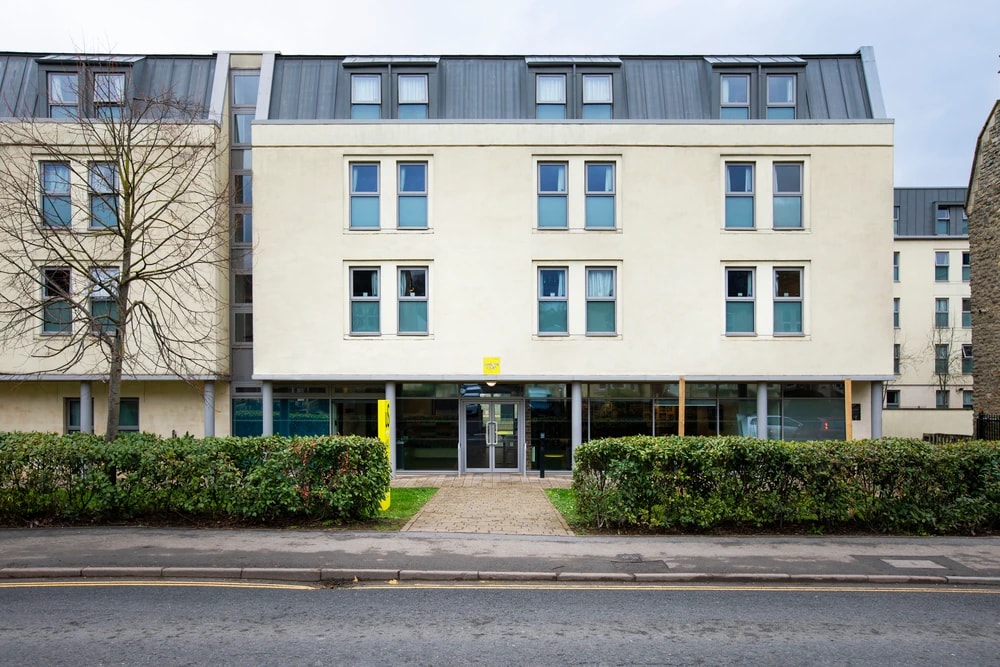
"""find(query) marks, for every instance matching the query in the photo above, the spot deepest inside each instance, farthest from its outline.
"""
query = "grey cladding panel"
(305, 88)
(186, 78)
(918, 208)
(18, 86)
(834, 89)
(493, 88)
(661, 89)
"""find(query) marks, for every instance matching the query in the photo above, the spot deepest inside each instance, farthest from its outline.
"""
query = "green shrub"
(79, 477)
(886, 485)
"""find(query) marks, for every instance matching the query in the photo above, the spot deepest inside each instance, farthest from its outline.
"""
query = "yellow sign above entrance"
(491, 365)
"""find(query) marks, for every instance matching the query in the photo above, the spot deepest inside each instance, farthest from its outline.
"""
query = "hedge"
(79, 477)
(888, 485)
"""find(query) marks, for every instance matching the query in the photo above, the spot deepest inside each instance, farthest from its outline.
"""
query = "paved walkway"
(503, 504)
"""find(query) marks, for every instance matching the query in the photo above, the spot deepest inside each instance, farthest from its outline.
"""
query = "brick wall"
(984, 243)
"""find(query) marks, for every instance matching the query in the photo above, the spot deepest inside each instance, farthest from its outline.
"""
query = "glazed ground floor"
(521, 426)
(459, 426)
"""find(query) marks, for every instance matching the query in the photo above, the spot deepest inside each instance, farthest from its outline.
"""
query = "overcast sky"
(937, 60)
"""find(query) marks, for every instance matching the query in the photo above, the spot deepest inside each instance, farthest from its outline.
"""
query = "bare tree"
(946, 349)
(112, 239)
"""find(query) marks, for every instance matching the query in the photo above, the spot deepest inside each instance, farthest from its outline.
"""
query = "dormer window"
(550, 96)
(735, 97)
(109, 95)
(597, 96)
(781, 96)
(412, 95)
(64, 95)
(366, 96)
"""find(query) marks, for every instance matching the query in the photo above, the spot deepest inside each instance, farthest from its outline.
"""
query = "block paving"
(503, 504)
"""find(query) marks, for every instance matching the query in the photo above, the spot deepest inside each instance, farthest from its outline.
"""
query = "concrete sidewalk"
(292, 555)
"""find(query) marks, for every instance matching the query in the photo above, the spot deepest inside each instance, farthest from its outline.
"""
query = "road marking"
(176, 584)
(675, 587)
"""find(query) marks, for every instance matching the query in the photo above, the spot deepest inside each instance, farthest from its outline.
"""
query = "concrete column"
(86, 407)
(576, 414)
(762, 410)
(267, 398)
(848, 421)
(209, 408)
(390, 395)
(876, 401)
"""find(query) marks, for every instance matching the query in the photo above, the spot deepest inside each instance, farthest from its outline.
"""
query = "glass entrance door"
(492, 433)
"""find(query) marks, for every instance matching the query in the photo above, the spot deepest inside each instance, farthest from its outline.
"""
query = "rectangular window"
(103, 195)
(966, 313)
(109, 95)
(57, 313)
(56, 203)
(128, 415)
(243, 288)
(941, 359)
(242, 327)
(739, 301)
(895, 313)
(597, 96)
(941, 399)
(896, 348)
(964, 231)
(552, 194)
(366, 96)
(781, 96)
(242, 228)
(412, 95)
(413, 301)
(943, 221)
(787, 195)
(735, 95)
(788, 301)
(941, 267)
(892, 399)
(243, 189)
(413, 195)
(243, 128)
(966, 266)
(895, 220)
(245, 87)
(552, 302)
(364, 196)
(601, 301)
(365, 306)
(967, 359)
(941, 313)
(967, 399)
(550, 96)
(600, 213)
(739, 196)
(64, 95)
(895, 267)
(103, 304)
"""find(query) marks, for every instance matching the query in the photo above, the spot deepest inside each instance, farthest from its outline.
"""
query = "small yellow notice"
(491, 365)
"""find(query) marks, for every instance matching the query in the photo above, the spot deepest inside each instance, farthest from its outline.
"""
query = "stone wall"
(983, 210)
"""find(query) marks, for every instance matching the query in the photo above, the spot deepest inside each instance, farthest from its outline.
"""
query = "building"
(523, 253)
(932, 315)
(983, 206)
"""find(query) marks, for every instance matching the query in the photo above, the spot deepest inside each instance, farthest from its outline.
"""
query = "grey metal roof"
(22, 94)
(918, 209)
(502, 88)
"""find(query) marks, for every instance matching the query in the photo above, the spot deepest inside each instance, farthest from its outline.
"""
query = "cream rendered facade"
(483, 250)
(47, 386)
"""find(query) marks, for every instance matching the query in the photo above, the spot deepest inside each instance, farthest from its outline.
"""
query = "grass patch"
(564, 500)
(405, 502)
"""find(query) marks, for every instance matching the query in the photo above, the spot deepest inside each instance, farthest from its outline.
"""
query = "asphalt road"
(157, 624)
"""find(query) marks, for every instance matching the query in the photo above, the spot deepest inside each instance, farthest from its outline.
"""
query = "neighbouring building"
(983, 206)
(931, 314)
(522, 253)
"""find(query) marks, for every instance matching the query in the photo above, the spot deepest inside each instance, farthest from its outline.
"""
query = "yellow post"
(383, 435)
(848, 426)
(680, 405)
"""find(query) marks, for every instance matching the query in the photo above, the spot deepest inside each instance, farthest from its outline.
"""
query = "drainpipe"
(267, 399)
(86, 407)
